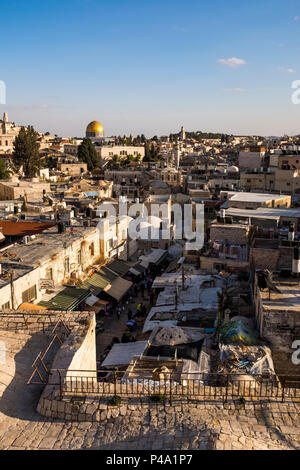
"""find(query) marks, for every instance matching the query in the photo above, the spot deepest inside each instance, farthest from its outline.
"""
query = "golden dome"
(95, 127)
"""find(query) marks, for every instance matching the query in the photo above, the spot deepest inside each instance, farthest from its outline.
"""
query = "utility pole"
(11, 277)
(220, 310)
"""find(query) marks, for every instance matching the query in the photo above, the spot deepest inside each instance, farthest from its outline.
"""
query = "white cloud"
(231, 90)
(232, 62)
(288, 70)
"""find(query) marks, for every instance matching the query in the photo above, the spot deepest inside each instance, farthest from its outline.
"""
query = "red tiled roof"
(10, 228)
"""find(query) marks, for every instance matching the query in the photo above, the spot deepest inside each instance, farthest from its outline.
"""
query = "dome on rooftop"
(95, 129)
(233, 169)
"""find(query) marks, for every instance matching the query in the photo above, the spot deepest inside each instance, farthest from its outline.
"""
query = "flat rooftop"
(263, 213)
(8, 268)
(253, 197)
(43, 247)
(288, 300)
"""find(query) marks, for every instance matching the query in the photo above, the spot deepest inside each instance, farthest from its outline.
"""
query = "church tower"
(182, 134)
(177, 154)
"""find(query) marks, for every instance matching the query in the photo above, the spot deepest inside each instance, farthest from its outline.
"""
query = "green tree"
(26, 151)
(4, 173)
(87, 153)
(151, 153)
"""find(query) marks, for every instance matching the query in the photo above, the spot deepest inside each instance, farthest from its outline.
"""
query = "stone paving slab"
(180, 427)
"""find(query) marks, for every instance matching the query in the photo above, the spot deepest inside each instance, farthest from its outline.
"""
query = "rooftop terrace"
(288, 300)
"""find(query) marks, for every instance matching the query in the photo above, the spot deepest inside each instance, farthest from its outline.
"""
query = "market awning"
(137, 270)
(108, 274)
(122, 354)
(92, 300)
(134, 272)
(96, 283)
(28, 306)
(118, 288)
(119, 267)
(67, 299)
(155, 257)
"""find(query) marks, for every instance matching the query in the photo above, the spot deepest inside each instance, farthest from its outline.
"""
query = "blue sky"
(151, 66)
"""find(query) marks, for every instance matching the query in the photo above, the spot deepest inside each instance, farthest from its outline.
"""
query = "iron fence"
(175, 387)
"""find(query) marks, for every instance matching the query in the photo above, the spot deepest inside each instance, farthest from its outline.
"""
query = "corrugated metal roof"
(96, 283)
(119, 267)
(123, 353)
(10, 228)
(155, 257)
(68, 299)
(137, 269)
(108, 274)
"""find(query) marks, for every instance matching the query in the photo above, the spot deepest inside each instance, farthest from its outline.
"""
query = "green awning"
(68, 299)
(96, 283)
(108, 274)
(119, 267)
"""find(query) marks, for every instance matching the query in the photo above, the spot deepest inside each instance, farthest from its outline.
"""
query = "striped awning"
(108, 274)
(119, 267)
(68, 299)
(96, 283)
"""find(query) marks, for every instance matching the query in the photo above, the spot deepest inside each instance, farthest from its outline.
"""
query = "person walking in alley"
(119, 312)
(142, 286)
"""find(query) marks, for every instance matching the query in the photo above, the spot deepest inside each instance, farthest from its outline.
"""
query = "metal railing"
(173, 386)
(39, 364)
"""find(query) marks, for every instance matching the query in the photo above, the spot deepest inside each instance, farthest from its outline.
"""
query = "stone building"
(15, 189)
(245, 200)
(8, 133)
(108, 152)
(251, 160)
(231, 234)
(50, 256)
(72, 169)
(277, 316)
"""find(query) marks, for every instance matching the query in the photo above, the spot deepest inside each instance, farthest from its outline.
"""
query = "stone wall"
(233, 234)
(281, 329)
(209, 263)
(89, 408)
(30, 321)
(78, 353)
(264, 258)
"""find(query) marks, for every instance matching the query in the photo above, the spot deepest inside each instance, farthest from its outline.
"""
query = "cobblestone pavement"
(181, 427)
(204, 427)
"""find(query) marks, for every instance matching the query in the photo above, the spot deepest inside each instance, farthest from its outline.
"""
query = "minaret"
(177, 155)
(182, 134)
